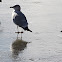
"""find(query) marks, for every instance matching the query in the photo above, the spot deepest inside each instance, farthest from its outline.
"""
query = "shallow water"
(44, 44)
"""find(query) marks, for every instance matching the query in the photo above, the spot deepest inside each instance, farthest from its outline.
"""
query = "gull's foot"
(19, 32)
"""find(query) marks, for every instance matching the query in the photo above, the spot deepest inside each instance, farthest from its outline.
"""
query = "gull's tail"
(26, 28)
(29, 30)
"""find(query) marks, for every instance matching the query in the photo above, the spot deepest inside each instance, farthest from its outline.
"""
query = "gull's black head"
(16, 7)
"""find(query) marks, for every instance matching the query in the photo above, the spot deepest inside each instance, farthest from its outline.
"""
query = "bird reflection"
(17, 46)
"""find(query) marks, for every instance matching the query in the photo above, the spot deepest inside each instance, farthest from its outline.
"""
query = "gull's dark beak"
(11, 7)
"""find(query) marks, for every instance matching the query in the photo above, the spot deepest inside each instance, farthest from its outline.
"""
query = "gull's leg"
(17, 31)
(21, 36)
(17, 28)
(17, 35)
(21, 32)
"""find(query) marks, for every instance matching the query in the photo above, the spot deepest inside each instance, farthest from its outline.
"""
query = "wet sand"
(44, 44)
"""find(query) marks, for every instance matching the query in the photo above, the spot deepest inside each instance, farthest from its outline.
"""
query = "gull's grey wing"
(20, 19)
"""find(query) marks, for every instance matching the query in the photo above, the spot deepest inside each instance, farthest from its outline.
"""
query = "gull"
(19, 18)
